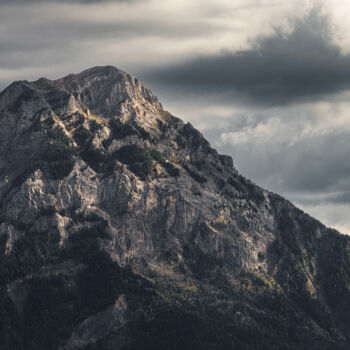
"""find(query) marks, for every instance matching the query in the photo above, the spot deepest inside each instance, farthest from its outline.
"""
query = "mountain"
(121, 228)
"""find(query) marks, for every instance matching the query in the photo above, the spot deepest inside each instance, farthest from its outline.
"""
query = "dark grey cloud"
(320, 163)
(342, 198)
(282, 68)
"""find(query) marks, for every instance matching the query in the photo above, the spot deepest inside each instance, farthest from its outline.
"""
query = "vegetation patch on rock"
(58, 160)
(140, 161)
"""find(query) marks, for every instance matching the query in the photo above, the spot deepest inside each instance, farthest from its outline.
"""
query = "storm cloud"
(298, 65)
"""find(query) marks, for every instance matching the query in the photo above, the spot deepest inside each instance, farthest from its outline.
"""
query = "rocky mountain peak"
(120, 224)
(105, 89)
(100, 90)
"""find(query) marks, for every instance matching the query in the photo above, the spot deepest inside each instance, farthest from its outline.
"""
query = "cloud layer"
(282, 68)
(59, 37)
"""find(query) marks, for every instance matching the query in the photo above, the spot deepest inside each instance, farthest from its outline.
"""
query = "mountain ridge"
(119, 224)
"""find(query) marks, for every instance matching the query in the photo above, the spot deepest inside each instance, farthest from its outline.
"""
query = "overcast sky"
(266, 81)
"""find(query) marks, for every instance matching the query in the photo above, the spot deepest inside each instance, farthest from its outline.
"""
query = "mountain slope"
(121, 228)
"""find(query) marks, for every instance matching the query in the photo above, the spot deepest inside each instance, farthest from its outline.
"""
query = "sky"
(266, 81)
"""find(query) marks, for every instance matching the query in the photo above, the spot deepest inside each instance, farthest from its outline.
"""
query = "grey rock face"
(190, 212)
(97, 149)
(97, 326)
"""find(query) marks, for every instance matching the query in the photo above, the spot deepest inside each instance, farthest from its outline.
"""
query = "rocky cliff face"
(121, 228)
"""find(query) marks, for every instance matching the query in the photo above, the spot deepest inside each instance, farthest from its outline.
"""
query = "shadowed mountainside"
(121, 228)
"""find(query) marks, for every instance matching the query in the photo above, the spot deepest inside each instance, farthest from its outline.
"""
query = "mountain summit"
(121, 228)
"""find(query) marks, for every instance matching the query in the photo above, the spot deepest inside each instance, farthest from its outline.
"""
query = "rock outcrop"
(121, 228)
